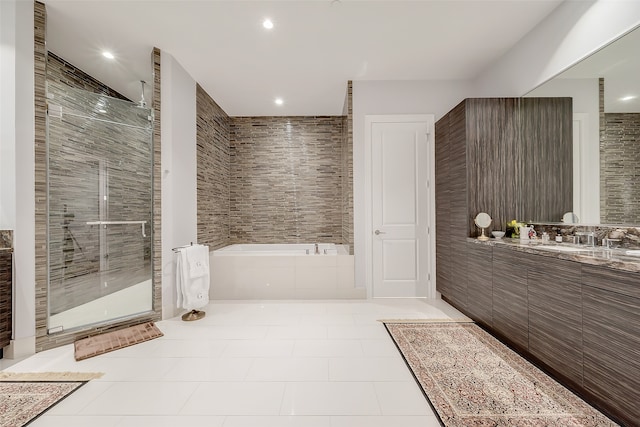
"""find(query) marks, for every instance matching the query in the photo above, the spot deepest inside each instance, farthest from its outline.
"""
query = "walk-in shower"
(99, 182)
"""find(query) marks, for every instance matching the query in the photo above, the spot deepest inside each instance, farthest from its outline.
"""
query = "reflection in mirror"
(570, 218)
(605, 88)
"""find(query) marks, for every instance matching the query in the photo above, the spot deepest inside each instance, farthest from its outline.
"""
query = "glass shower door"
(100, 208)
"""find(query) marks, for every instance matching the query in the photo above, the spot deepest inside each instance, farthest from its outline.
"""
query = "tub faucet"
(316, 250)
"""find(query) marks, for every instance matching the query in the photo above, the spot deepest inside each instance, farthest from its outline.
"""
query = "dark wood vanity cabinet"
(580, 323)
(480, 288)
(611, 340)
(5, 297)
(485, 151)
(451, 207)
(509, 308)
(443, 247)
(554, 295)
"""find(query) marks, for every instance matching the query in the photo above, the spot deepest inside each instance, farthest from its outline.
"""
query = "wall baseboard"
(22, 347)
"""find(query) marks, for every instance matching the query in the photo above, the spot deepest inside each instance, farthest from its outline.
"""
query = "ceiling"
(314, 48)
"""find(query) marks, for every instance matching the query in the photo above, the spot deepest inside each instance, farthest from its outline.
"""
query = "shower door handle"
(142, 223)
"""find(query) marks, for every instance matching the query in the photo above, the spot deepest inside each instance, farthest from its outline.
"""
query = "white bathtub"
(283, 271)
(293, 249)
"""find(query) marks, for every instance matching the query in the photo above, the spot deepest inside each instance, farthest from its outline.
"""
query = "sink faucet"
(316, 250)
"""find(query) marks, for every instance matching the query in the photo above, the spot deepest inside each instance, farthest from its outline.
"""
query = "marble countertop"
(6, 240)
(612, 258)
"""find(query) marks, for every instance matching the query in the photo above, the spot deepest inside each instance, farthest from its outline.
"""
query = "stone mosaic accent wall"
(620, 169)
(156, 264)
(40, 176)
(98, 170)
(212, 135)
(347, 170)
(286, 183)
(619, 165)
(625, 237)
(6, 239)
(65, 73)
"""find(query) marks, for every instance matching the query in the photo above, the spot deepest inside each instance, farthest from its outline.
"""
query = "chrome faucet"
(316, 250)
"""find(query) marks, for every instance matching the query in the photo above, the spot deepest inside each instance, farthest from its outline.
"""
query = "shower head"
(142, 103)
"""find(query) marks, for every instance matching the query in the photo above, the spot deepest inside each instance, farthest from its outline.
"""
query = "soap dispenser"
(559, 237)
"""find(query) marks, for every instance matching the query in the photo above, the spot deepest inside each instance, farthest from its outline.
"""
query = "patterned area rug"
(110, 341)
(26, 396)
(472, 379)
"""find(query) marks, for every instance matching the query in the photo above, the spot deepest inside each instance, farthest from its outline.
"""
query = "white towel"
(193, 292)
(198, 259)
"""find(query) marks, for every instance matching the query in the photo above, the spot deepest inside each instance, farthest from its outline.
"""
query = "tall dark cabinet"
(509, 157)
(6, 258)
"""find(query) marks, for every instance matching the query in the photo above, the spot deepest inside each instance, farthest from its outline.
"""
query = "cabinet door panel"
(611, 336)
(480, 283)
(492, 156)
(457, 173)
(510, 316)
(459, 274)
(555, 316)
(443, 209)
(5, 297)
(621, 282)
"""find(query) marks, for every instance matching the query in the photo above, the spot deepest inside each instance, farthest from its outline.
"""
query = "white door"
(400, 214)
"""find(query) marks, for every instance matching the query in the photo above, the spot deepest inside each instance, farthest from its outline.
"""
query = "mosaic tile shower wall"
(285, 179)
(99, 170)
(347, 170)
(619, 165)
(212, 135)
(156, 104)
(40, 173)
(620, 169)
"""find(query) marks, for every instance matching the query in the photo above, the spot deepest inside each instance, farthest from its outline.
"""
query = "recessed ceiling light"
(267, 23)
(108, 54)
(279, 101)
(628, 98)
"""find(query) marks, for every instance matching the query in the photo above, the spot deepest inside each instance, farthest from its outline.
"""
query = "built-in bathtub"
(283, 271)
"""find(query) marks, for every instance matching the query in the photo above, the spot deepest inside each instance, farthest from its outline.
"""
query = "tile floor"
(254, 363)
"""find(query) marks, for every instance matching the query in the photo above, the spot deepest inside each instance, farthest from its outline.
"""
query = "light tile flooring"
(254, 363)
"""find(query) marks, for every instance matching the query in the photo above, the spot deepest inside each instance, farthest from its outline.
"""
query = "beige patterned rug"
(472, 379)
(26, 396)
(114, 340)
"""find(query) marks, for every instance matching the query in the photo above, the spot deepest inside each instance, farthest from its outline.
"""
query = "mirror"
(605, 88)
(570, 218)
(483, 220)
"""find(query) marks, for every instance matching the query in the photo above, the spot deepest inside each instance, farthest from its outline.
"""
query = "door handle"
(378, 232)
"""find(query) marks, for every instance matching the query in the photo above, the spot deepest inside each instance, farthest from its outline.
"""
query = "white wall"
(585, 94)
(17, 194)
(179, 171)
(573, 31)
(7, 115)
(391, 97)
